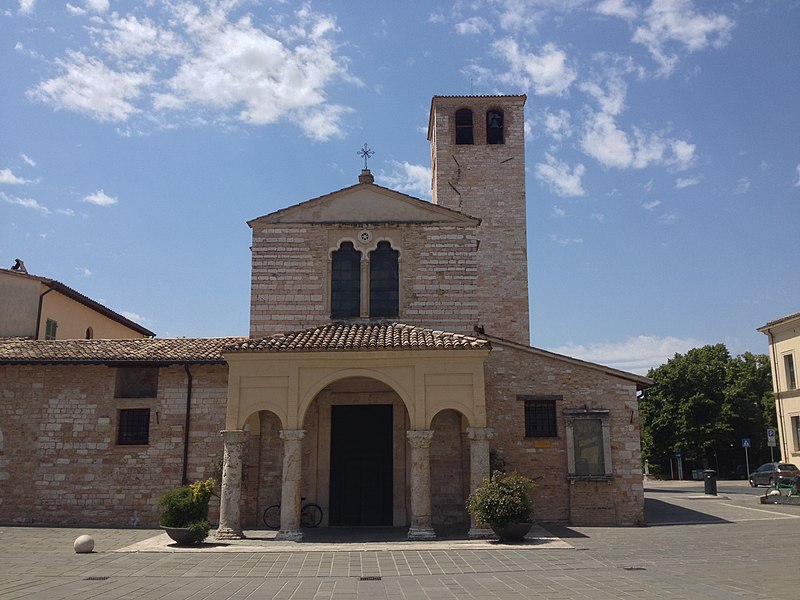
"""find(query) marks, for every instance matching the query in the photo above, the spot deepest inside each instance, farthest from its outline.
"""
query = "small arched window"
(384, 281)
(494, 127)
(89, 333)
(346, 282)
(464, 126)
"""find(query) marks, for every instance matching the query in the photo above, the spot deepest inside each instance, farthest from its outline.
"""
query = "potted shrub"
(184, 512)
(503, 502)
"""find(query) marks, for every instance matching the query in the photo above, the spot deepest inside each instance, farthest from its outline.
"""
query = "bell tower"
(478, 165)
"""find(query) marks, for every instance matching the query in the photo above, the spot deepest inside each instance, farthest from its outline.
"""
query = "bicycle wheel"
(311, 515)
(272, 516)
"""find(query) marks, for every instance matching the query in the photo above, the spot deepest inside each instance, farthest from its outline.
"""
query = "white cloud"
(557, 211)
(617, 8)
(651, 205)
(565, 241)
(100, 198)
(668, 218)
(562, 180)
(474, 26)
(203, 63)
(28, 160)
(557, 125)
(136, 318)
(411, 179)
(26, 6)
(547, 73)
(669, 22)
(683, 183)
(90, 87)
(635, 354)
(25, 203)
(599, 217)
(84, 271)
(742, 185)
(797, 183)
(7, 177)
(604, 141)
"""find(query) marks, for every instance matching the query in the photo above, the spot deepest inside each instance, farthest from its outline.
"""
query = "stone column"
(290, 490)
(421, 526)
(478, 469)
(230, 495)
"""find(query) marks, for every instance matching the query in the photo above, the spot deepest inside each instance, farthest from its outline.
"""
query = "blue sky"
(663, 152)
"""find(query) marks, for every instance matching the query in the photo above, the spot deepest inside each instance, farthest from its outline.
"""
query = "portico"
(304, 378)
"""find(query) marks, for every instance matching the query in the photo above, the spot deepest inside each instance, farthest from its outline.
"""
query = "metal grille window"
(346, 282)
(540, 415)
(384, 285)
(134, 427)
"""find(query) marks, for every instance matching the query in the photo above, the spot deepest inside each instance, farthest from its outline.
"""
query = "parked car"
(769, 473)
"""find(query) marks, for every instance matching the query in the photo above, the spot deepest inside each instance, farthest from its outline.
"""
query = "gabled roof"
(85, 300)
(382, 335)
(642, 383)
(364, 203)
(151, 351)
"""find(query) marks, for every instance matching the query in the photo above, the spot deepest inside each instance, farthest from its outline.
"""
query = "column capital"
(293, 434)
(420, 438)
(233, 436)
(480, 433)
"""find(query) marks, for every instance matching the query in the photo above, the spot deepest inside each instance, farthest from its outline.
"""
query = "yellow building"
(784, 350)
(45, 309)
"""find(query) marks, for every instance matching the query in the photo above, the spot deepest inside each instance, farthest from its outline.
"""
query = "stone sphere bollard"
(84, 544)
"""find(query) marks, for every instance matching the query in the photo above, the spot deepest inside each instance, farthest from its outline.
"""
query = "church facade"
(386, 371)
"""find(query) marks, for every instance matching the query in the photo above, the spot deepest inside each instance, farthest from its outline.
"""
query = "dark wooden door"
(361, 465)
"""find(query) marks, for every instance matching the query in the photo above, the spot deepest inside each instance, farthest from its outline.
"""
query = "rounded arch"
(313, 390)
(459, 408)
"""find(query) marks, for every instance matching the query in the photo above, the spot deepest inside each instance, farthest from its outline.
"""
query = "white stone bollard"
(84, 544)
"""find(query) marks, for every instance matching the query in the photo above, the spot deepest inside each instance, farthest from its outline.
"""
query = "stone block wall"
(512, 371)
(60, 463)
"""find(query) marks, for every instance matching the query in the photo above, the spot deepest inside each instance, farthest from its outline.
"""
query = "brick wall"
(620, 501)
(60, 463)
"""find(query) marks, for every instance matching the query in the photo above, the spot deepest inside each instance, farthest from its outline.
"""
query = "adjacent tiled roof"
(779, 321)
(362, 336)
(156, 351)
(85, 300)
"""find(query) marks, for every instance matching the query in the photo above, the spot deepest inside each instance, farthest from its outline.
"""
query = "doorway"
(361, 465)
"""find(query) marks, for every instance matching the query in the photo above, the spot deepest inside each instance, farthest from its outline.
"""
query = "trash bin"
(710, 477)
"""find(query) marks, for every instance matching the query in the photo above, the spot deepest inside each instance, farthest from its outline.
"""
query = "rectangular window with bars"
(134, 427)
(540, 415)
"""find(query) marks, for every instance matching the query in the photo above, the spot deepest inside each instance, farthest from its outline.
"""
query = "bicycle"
(785, 488)
(310, 515)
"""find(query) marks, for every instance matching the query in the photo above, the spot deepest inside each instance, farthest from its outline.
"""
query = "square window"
(540, 415)
(136, 382)
(134, 427)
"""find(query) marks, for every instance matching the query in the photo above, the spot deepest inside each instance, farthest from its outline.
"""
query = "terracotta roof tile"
(361, 336)
(152, 350)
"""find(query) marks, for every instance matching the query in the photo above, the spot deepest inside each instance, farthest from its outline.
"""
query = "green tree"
(703, 403)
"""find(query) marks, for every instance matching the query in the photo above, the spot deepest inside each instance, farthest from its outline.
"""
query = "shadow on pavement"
(658, 513)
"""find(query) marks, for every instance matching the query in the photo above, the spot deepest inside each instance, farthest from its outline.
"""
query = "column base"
(478, 533)
(292, 535)
(421, 533)
(226, 533)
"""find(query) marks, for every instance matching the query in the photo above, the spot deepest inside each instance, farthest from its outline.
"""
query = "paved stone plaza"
(695, 547)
